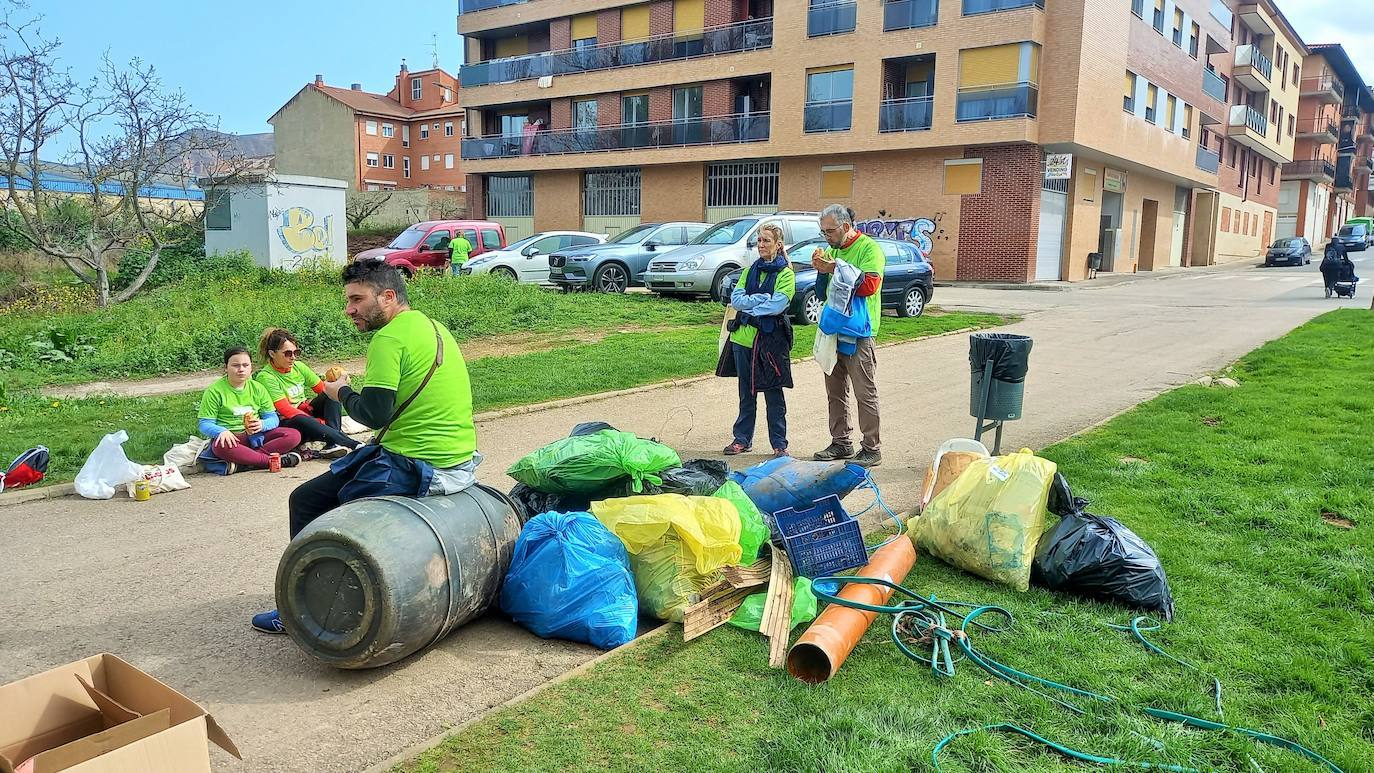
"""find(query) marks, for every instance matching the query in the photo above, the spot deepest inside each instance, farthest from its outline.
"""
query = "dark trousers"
(313, 498)
(332, 413)
(774, 401)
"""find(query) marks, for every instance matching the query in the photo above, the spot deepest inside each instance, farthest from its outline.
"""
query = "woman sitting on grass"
(236, 414)
(287, 378)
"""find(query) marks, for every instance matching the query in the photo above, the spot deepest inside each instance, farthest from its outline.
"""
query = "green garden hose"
(1064, 750)
(1151, 624)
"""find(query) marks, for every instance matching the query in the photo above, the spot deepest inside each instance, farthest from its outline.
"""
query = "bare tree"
(128, 133)
(447, 206)
(362, 205)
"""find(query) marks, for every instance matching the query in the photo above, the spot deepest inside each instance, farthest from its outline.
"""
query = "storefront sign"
(1114, 181)
(1058, 166)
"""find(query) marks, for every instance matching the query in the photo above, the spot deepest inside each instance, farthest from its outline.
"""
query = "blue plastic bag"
(570, 579)
(780, 483)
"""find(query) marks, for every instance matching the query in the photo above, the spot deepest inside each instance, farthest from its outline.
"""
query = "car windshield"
(1352, 230)
(1282, 244)
(728, 232)
(408, 238)
(631, 236)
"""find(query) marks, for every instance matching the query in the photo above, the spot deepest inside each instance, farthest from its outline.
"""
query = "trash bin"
(1010, 358)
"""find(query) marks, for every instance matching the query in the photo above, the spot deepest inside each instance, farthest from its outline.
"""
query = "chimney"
(356, 86)
(403, 66)
(319, 80)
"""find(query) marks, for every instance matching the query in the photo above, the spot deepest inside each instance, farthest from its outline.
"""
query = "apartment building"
(985, 131)
(408, 138)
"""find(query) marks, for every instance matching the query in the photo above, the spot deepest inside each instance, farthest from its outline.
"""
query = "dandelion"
(56, 404)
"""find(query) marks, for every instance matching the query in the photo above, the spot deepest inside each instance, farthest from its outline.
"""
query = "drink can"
(274, 462)
(142, 491)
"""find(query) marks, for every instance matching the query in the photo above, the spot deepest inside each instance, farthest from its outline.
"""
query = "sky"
(241, 61)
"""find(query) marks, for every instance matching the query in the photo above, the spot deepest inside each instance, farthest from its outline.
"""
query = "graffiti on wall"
(301, 234)
(919, 231)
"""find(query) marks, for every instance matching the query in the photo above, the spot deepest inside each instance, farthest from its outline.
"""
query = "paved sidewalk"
(170, 584)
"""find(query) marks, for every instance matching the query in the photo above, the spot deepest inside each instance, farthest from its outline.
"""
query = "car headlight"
(577, 259)
(689, 265)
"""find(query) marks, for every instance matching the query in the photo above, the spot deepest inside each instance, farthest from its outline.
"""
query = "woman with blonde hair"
(287, 378)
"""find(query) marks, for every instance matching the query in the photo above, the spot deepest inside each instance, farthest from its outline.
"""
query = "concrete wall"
(558, 201)
(404, 208)
(314, 136)
(288, 225)
(1241, 235)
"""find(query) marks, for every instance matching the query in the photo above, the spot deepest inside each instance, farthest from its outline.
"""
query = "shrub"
(181, 261)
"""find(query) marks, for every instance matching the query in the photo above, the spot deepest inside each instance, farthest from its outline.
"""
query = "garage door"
(1050, 245)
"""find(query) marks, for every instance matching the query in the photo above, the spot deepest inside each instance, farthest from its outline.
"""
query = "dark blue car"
(908, 280)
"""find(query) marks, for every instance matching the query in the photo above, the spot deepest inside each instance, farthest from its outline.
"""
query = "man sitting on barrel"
(418, 398)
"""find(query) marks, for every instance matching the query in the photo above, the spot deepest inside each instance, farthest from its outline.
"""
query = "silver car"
(704, 265)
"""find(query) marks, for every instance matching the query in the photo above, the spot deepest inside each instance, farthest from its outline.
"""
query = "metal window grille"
(510, 196)
(1058, 186)
(742, 184)
(610, 193)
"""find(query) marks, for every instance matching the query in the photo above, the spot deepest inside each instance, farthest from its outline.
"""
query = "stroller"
(1343, 281)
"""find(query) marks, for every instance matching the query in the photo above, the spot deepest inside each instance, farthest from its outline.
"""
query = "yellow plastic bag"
(989, 520)
(677, 546)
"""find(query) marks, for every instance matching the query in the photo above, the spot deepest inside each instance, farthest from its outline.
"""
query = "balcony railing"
(1310, 127)
(833, 116)
(1208, 160)
(468, 6)
(1014, 100)
(1251, 56)
(1309, 169)
(1222, 13)
(1345, 174)
(910, 14)
(726, 39)
(832, 18)
(905, 115)
(715, 130)
(1214, 86)
(973, 7)
(1322, 84)
(1249, 117)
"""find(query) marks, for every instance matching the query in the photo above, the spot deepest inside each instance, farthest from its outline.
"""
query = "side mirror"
(530, 252)
(651, 246)
(422, 248)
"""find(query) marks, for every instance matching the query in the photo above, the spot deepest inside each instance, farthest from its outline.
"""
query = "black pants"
(313, 498)
(329, 432)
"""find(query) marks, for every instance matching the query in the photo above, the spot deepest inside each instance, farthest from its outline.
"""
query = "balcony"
(831, 18)
(1214, 86)
(1314, 169)
(1344, 180)
(1208, 160)
(833, 116)
(910, 14)
(1252, 69)
(1222, 13)
(905, 115)
(1256, 18)
(975, 7)
(1013, 100)
(750, 35)
(468, 6)
(717, 130)
(1324, 131)
(1324, 88)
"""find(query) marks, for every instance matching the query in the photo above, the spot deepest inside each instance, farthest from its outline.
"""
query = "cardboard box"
(102, 715)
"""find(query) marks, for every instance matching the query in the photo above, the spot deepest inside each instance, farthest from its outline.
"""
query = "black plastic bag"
(529, 503)
(1091, 555)
(695, 478)
(1010, 355)
(589, 428)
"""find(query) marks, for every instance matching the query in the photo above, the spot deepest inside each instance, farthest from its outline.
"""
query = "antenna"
(434, 49)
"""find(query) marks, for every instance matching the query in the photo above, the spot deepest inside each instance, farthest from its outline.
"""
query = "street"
(171, 584)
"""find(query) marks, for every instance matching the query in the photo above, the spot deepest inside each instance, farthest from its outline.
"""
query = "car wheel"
(810, 308)
(719, 290)
(500, 272)
(913, 303)
(611, 278)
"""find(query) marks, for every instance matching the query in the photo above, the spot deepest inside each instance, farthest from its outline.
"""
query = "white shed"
(285, 221)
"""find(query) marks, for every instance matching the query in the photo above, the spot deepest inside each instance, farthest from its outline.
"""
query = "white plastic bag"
(106, 468)
(161, 479)
(184, 454)
(825, 351)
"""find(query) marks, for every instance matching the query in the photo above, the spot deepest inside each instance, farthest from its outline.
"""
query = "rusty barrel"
(377, 579)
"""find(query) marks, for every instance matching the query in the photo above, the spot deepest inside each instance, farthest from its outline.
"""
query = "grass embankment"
(1246, 494)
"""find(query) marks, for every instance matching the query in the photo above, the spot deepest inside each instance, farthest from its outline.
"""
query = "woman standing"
(761, 342)
(237, 416)
(287, 378)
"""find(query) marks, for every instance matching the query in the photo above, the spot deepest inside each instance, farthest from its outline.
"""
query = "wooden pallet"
(753, 575)
(777, 610)
(718, 604)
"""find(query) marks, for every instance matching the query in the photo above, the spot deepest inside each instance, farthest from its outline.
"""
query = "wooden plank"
(777, 610)
(754, 574)
(711, 613)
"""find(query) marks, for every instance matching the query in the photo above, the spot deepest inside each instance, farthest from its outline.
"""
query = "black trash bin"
(1009, 355)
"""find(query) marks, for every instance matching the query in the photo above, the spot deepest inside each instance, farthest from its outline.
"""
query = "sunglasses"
(290, 354)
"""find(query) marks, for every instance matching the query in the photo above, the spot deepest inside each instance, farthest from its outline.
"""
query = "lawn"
(71, 428)
(1259, 501)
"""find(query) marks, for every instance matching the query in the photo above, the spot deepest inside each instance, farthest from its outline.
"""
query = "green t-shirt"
(438, 427)
(292, 385)
(786, 284)
(865, 255)
(461, 249)
(226, 405)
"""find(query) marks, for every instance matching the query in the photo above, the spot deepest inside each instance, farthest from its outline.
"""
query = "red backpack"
(27, 468)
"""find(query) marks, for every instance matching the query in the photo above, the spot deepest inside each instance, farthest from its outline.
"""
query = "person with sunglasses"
(287, 377)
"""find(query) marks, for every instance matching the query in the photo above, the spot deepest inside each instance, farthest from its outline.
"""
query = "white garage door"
(1050, 245)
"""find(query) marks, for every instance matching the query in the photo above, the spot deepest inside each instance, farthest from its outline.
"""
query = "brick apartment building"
(600, 114)
(408, 138)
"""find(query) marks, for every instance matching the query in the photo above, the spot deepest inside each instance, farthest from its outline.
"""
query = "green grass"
(71, 428)
(1229, 486)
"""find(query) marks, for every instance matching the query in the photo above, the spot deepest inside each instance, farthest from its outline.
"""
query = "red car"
(426, 245)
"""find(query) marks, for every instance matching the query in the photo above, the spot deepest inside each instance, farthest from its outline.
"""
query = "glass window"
(830, 86)
(438, 239)
(687, 103)
(634, 109)
(916, 256)
(693, 231)
(372, 159)
(584, 114)
(804, 230)
(513, 125)
(1151, 99)
(491, 240)
(893, 252)
(674, 234)
(405, 166)
(388, 161)
(1170, 112)
(424, 163)
(582, 241)
(631, 236)
(407, 238)
(1129, 103)
(416, 88)
(372, 128)
(469, 234)
(728, 232)
(448, 160)
(448, 128)
(388, 130)
(545, 246)
(218, 215)
(424, 131)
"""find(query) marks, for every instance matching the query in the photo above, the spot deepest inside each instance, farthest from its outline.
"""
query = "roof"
(371, 103)
(1336, 56)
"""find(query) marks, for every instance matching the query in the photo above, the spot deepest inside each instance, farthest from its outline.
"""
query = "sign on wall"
(1114, 181)
(1059, 166)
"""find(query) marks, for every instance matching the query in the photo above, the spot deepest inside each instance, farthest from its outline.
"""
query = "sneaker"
(834, 451)
(316, 446)
(230, 468)
(867, 458)
(290, 459)
(779, 453)
(268, 622)
(333, 451)
(737, 448)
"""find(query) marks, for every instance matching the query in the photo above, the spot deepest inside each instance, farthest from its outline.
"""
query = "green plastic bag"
(587, 464)
(749, 616)
(752, 530)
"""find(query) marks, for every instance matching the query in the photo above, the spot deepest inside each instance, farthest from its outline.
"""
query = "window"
(1233, 155)
(687, 128)
(829, 99)
(388, 130)
(424, 163)
(491, 240)
(463, 127)
(1159, 17)
(1151, 100)
(372, 159)
(436, 158)
(405, 166)
(1128, 101)
(894, 255)
(998, 82)
(372, 128)
(673, 234)
(1178, 27)
(634, 22)
(1187, 121)
(634, 109)
(1193, 37)
(448, 160)
(218, 211)
(584, 30)
(1138, 8)
(584, 114)
(964, 176)
(611, 192)
(689, 19)
(405, 135)
(742, 184)
(1292, 124)
(416, 88)
(438, 239)
(371, 187)
(1170, 112)
(1225, 219)
(508, 196)
(1295, 73)
(448, 94)
(803, 230)
(388, 161)
(424, 131)
(448, 128)
(1272, 167)
(837, 182)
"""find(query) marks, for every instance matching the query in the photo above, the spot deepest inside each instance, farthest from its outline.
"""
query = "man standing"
(861, 367)
(459, 250)
(417, 397)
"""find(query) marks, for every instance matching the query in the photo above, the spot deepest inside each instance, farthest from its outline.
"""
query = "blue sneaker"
(268, 622)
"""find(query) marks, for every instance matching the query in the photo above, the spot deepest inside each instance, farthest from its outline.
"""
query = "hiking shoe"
(867, 458)
(780, 453)
(268, 622)
(333, 452)
(737, 448)
(290, 459)
(834, 451)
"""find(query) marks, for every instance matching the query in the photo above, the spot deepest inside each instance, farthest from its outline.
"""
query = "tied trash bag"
(677, 546)
(106, 468)
(1098, 557)
(753, 532)
(749, 616)
(989, 520)
(529, 503)
(570, 579)
(588, 464)
(695, 478)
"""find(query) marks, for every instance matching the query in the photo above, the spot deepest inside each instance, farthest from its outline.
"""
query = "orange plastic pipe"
(820, 652)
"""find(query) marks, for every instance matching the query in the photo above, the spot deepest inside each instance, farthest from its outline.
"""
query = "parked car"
(1355, 237)
(426, 245)
(620, 262)
(703, 267)
(1294, 251)
(527, 260)
(908, 280)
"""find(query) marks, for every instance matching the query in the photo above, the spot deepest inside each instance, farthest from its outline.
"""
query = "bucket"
(377, 579)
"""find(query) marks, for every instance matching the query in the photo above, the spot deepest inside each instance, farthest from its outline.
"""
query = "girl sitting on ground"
(237, 416)
(287, 379)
